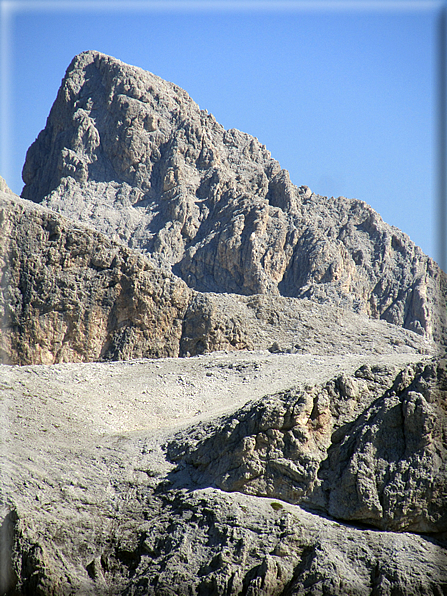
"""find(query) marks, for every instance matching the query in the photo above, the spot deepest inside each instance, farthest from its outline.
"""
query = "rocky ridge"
(69, 294)
(135, 157)
(300, 449)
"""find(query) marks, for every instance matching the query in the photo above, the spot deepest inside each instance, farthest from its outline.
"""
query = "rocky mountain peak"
(147, 148)
(135, 157)
(303, 452)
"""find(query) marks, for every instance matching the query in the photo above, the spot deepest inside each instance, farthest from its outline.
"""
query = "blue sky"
(343, 94)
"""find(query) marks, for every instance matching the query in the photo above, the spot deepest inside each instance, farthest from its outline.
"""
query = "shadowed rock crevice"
(8, 575)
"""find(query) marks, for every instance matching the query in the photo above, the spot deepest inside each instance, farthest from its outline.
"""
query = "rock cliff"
(300, 448)
(135, 157)
(349, 448)
(69, 294)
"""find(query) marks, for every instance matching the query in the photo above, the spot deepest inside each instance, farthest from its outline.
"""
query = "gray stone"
(91, 504)
(301, 451)
(366, 450)
(389, 468)
(68, 293)
(135, 157)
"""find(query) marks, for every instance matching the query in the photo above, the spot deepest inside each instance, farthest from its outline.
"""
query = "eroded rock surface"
(289, 325)
(135, 157)
(314, 465)
(69, 294)
(91, 502)
(349, 448)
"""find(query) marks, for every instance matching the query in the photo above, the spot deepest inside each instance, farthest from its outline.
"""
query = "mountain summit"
(133, 156)
(303, 453)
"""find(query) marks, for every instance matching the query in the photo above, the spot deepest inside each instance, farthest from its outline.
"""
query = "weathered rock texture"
(349, 448)
(4, 187)
(316, 466)
(288, 325)
(90, 503)
(69, 294)
(136, 158)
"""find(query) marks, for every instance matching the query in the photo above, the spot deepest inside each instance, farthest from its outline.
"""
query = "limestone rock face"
(135, 157)
(71, 295)
(300, 450)
(389, 467)
(107, 490)
(348, 448)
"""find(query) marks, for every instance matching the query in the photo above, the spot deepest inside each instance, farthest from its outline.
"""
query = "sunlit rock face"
(303, 450)
(365, 448)
(135, 157)
(70, 294)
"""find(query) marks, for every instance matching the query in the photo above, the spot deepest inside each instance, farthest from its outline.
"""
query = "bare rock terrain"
(109, 486)
(212, 382)
(69, 294)
(135, 157)
(348, 448)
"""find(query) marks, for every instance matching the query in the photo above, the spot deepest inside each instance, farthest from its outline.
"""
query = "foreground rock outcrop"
(99, 497)
(350, 449)
(135, 157)
(90, 501)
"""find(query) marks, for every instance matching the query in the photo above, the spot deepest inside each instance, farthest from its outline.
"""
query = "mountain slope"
(305, 456)
(135, 157)
(69, 294)
(98, 496)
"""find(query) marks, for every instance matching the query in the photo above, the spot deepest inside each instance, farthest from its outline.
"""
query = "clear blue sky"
(345, 99)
